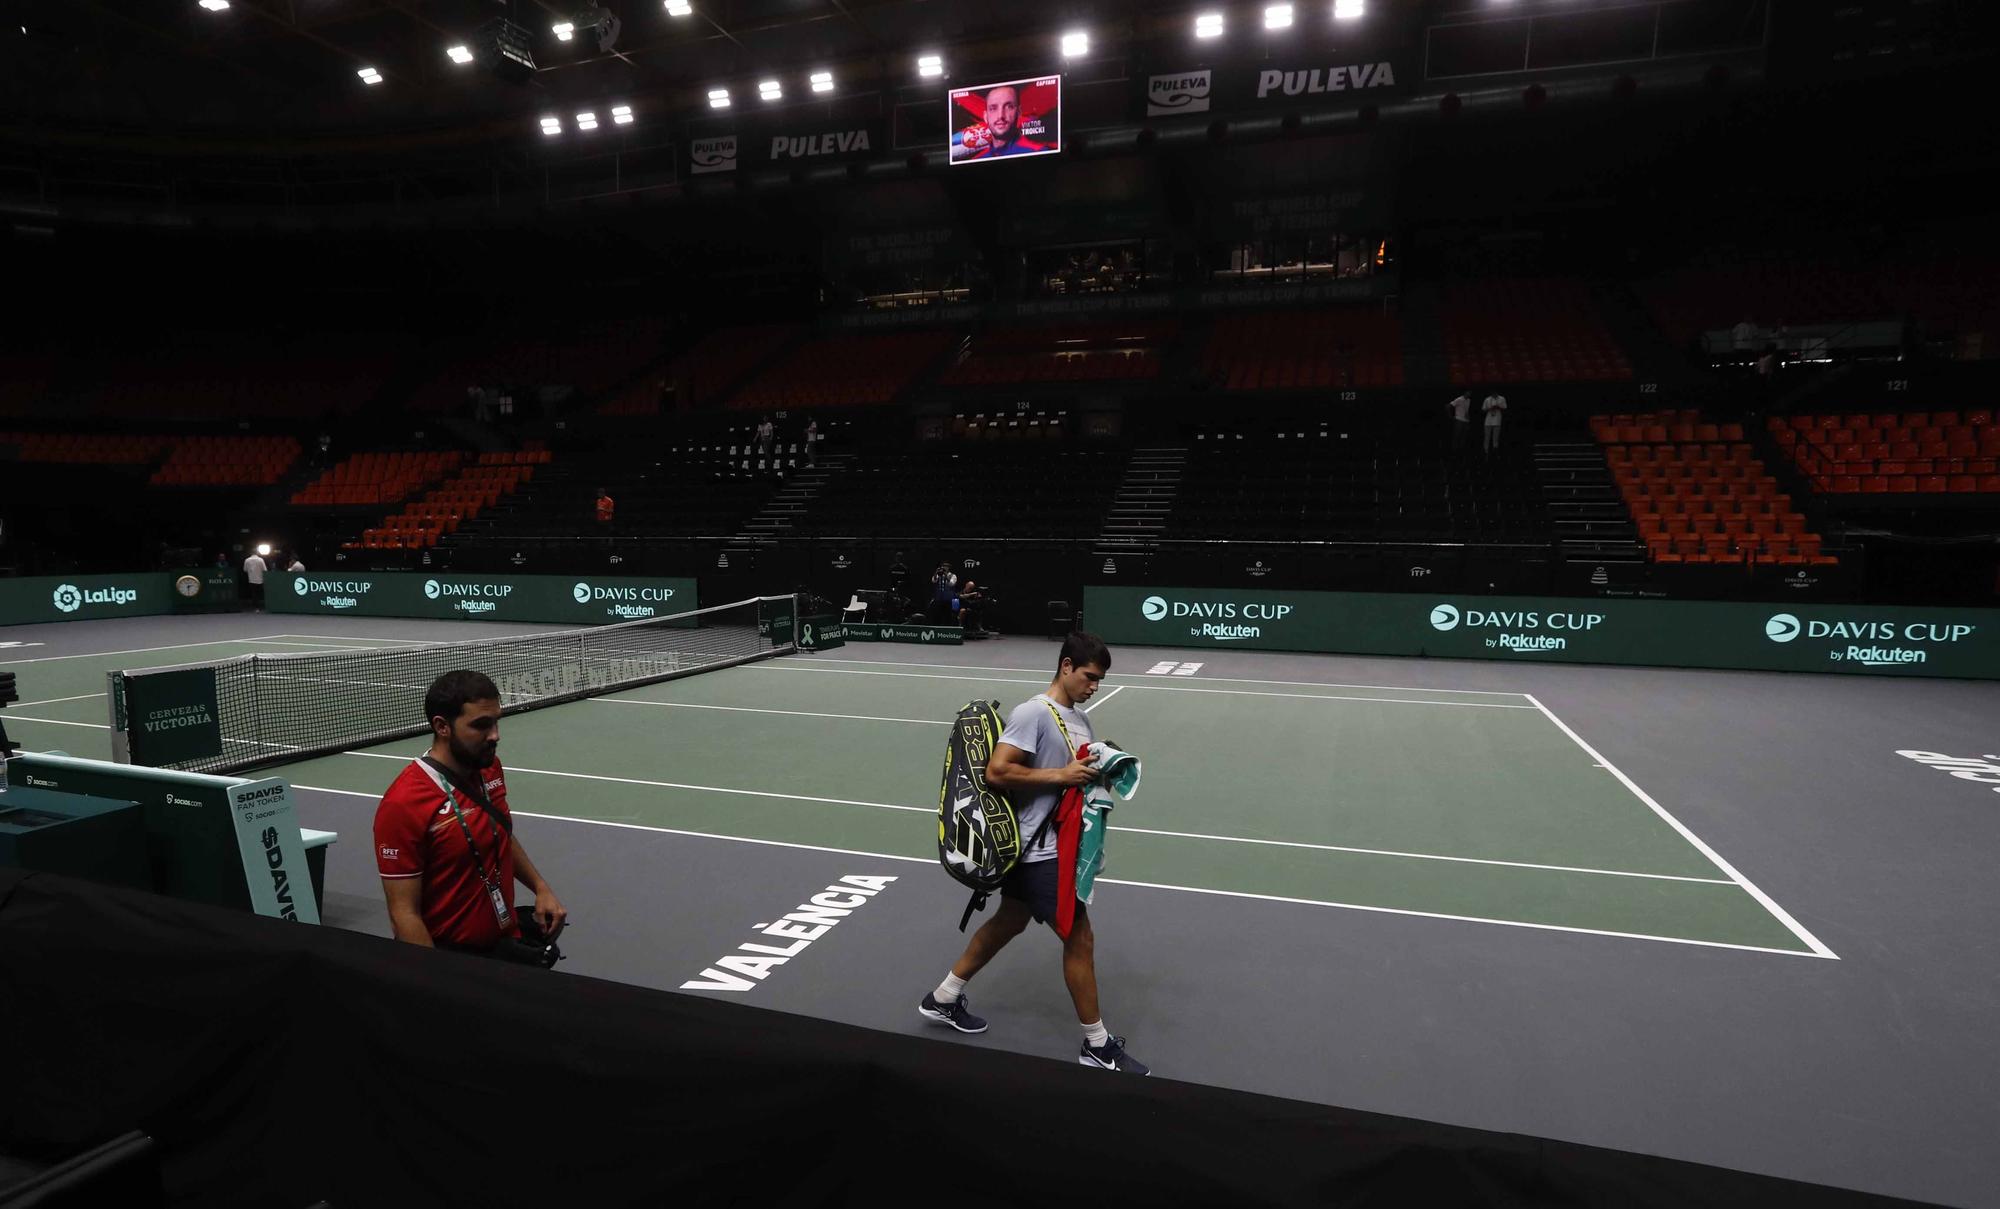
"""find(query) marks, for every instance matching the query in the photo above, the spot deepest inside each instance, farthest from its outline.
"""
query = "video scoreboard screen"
(1014, 118)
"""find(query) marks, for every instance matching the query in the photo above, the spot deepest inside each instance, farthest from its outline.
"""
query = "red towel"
(1069, 836)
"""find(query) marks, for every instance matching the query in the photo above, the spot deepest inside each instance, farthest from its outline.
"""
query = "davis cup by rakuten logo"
(299, 585)
(1783, 627)
(1153, 607)
(68, 599)
(431, 588)
(581, 593)
(1444, 617)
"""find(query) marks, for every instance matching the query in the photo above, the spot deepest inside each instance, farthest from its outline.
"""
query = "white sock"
(950, 989)
(1095, 1035)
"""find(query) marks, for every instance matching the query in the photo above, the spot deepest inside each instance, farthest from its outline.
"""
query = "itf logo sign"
(1782, 627)
(1444, 617)
(580, 593)
(1153, 608)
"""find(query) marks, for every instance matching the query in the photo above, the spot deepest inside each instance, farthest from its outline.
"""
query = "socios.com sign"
(1714, 634)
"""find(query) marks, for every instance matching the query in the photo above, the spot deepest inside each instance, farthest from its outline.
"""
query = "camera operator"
(944, 595)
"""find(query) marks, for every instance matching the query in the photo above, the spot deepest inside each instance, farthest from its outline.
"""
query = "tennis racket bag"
(979, 839)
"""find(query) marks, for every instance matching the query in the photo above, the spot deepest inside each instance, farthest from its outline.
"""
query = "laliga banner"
(1860, 639)
(784, 147)
(1355, 78)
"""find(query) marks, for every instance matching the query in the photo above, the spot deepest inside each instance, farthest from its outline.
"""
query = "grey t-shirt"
(1032, 728)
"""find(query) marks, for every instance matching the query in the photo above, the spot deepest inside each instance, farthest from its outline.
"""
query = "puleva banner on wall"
(592, 600)
(784, 146)
(1252, 87)
(1859, 639)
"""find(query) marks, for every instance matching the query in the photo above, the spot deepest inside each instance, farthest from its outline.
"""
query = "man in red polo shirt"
(444, 838)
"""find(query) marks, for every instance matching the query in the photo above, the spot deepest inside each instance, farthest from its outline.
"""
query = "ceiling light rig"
(621, 114)
(551, 124)
(930, 66)
(459, 55)
(770, 90)
(679, 8)
(369, 75)
(718, 98)
(822, 81)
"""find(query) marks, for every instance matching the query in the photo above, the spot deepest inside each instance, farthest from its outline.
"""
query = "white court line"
(1180, 835)
(137, 650)
(744, 709)
(1106, 697)
(51, 701)
(1269, 898)
(316, 646)
(1387, 688)
(346, 638)
(1762, 898)
(1151, 688)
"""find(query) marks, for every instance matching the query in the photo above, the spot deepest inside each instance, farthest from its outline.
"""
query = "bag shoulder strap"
(1057, 715)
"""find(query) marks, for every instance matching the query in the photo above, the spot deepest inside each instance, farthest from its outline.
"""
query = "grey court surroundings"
(1870, 1071)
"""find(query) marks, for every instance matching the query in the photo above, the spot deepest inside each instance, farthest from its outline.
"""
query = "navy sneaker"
(1112, 1056)
(955, 1013)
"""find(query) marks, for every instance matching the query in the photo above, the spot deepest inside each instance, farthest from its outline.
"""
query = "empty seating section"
(376, 478)
(1946, 294)
(1527, 330)
(200, 461)
(702, 375)
(1306, 483)
(460, 498)
(842, 370)
(87, 449)
(236, 377)
(1913, 452)
(1700, 494)
(697, 489)
(1052, 492)
(24, 383)
(591, 358)
(231, 461)
(1097, 352)
(1043, 424)
(1344, 347)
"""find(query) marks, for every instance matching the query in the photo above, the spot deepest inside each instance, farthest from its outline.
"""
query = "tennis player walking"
(1034, 764)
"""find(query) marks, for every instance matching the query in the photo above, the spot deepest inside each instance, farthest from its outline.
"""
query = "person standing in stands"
(444, 835)
(1494, 407)
(606, 507)
(1461, 421)
(812, 441)
(253, 576)
(1035, 763)
(766, 433)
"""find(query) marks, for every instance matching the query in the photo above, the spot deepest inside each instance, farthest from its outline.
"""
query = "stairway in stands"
(1589, 517)
(1137, 518)
(802, 486)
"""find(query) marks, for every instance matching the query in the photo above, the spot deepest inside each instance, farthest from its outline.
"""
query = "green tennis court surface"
(1461, 805)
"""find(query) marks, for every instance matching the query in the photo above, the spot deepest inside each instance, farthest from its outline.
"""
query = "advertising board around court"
(567, 599)
(36, 599)
(920, 635)
(1858, 639)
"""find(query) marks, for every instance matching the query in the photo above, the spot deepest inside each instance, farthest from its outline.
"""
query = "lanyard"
(493, 888)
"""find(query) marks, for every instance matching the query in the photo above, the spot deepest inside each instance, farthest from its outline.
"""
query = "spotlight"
(621, 114)
(551, 124)
(586, 120)
(263, 549)
(215, 6)
(770, 90)
(1278, 16)
(679, 8)
(822, 81)
(1075, 44)
(930, 65)
(563, 30)
(1208, 25)
(718, 98)
(1347, 10)
(459, 54)
(369, 75)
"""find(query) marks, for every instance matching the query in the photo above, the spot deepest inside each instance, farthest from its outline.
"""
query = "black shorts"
(1034, 883)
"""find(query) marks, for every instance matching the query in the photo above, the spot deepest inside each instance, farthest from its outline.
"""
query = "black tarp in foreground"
(280, 1064)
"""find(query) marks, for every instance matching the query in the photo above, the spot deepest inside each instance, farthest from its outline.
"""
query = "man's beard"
(476, 755)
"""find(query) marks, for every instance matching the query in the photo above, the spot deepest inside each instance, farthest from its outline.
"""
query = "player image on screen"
(1020, 117)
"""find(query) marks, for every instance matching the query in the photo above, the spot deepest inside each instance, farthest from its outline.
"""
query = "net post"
(798, 618)
(121, 739)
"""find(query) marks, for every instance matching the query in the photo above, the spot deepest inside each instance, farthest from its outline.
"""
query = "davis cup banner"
(592, 600)
(1858, 639)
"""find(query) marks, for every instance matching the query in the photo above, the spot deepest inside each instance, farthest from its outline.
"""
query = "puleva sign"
(1936, 642)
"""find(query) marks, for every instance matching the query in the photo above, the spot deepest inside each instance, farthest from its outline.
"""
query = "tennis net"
(234, 714)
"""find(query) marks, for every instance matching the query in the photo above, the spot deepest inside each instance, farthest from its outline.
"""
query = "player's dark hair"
(1081, 648)
(450, 693)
